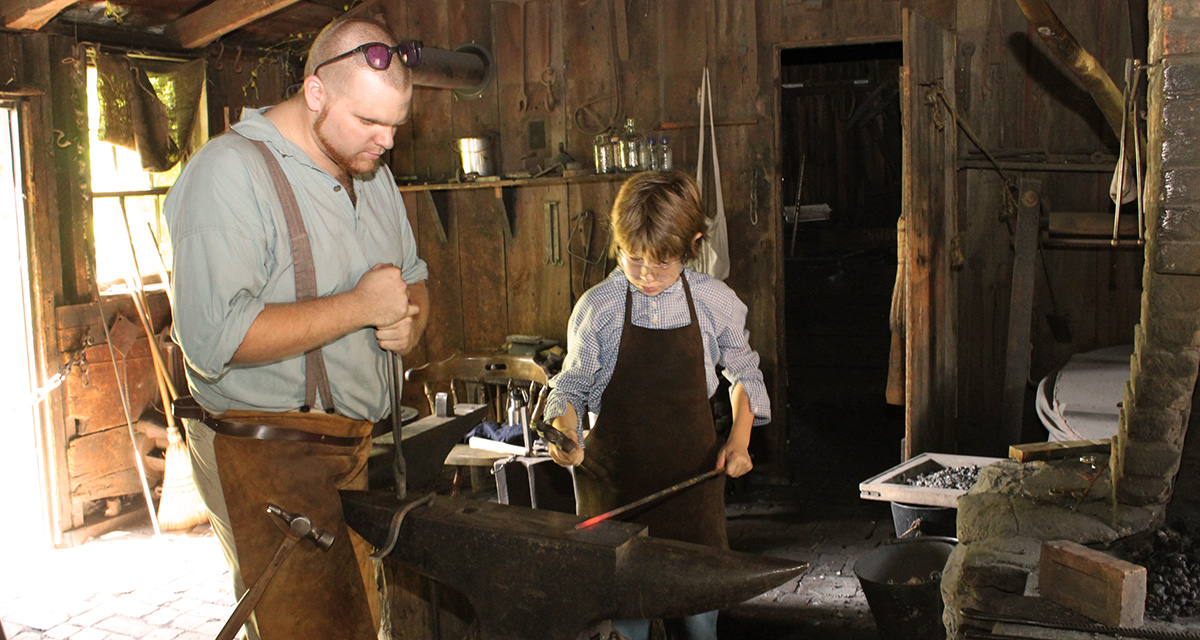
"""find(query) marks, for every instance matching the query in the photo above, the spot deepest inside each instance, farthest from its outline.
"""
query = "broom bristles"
(181, 506)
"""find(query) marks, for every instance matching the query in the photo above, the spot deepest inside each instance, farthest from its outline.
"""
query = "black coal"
(948, 478)
(1172, 561)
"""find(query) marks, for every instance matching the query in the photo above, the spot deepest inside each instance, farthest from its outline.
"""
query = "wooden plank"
(439, 249)
(515, 95)
(94, 400)
(102, 465)
(588, 57)
(1058, 450)
(1020, 311)
(45, 259)
(1106, 589)
(430, 156)
(539, 275)
(470, 21)
(482, 235)
(30, 14)
(926, 196)
(203, 26)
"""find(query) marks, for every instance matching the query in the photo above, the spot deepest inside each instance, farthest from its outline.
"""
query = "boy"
(642, 351)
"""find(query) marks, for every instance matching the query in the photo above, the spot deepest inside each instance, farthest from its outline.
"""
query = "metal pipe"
(468, 70)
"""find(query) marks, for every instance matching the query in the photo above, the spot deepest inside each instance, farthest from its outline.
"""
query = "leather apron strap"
(656, 429)
(305, 273)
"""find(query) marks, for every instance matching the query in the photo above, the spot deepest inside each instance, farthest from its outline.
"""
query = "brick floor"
(117, 587)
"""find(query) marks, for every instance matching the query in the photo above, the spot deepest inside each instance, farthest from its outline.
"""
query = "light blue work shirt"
(232, 257)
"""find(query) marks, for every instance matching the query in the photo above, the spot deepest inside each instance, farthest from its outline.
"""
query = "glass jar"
(602, 153)
(631, 145)
(649, 153)
(665, 161)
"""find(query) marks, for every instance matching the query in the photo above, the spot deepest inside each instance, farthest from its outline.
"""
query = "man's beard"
(346, 162)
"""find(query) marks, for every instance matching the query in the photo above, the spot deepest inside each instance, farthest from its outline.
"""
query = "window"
(127, 203)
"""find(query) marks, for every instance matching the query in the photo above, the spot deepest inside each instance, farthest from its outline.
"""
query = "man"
(286, 346)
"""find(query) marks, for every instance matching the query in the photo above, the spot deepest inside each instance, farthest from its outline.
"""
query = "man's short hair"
(343, 35)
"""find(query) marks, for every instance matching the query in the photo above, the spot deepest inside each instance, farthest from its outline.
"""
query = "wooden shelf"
(514, 182)
(437, 192)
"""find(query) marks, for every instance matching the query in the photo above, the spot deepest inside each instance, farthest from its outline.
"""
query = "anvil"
(531, 575)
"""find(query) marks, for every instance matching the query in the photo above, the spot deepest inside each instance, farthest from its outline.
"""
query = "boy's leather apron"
(298, 461)
(656, 429)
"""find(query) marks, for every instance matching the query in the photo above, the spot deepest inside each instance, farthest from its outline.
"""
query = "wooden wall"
(609, 61)
(606, 60)
(1015, 96)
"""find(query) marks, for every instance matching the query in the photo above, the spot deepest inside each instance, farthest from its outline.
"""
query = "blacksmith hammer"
(299, 528)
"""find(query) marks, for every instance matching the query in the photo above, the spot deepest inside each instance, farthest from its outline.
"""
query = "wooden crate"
(891, 485)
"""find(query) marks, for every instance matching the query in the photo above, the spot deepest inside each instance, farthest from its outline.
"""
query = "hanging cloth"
(149, 106)
(714, 253)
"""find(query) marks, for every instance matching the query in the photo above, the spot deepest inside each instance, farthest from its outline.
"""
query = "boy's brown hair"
(656, 216)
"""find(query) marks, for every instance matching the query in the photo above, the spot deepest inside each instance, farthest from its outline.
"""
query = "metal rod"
(650, 498)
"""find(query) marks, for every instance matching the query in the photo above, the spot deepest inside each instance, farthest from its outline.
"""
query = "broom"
(180, 506)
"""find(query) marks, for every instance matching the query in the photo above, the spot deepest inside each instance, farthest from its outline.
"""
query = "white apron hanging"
(713, 258)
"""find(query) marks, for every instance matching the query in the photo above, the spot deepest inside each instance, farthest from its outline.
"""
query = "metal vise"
(531, 575)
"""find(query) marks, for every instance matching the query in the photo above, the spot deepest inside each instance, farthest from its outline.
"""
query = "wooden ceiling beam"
(205, 25)
(30, 14)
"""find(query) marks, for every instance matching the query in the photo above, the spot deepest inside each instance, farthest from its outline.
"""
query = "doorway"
(841, 144)
(23, 503)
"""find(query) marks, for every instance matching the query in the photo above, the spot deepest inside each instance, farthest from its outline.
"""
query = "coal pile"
(1172, 561)
(961, 478)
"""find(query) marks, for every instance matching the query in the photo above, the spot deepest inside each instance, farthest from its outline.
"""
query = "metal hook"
(217, 64)
(237, 60)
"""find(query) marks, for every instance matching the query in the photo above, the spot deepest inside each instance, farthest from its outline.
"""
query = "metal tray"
(890, 486)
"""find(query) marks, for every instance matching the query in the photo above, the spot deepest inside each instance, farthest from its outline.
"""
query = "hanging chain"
(78, 358)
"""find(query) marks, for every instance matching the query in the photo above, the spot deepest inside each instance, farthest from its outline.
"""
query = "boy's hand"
(736, 461)
(568, 459)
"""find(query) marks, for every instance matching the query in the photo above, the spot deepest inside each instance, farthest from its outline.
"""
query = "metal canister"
(476, 155)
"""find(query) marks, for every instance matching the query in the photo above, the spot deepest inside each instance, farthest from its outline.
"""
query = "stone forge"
(1154, 471)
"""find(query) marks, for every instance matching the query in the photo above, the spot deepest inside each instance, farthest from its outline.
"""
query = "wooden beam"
(30, 14)
(203, 26)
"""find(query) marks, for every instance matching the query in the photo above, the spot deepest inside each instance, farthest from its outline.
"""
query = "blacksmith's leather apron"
(656, 429)
(298, 461)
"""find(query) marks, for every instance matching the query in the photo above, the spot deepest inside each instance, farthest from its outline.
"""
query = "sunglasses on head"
(379, 56)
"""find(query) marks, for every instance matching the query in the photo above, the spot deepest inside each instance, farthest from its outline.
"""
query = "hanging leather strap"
(305, 272)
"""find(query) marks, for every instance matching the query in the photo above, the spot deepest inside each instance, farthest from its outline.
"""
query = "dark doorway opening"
(841, 168)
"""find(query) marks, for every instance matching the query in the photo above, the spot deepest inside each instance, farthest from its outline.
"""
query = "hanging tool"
(675, 488)
(299, 528)
(796, 213)
(523, 101)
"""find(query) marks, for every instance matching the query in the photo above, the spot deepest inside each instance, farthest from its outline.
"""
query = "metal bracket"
(552, 241)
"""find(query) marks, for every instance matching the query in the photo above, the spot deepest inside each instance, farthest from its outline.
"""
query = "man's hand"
(402, 336)
(382, 297)
(736, 461)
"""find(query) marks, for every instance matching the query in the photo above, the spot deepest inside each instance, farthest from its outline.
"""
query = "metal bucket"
(902, 583)
(476, 155)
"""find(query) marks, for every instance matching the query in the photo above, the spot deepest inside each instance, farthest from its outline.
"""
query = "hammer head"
(301, 527)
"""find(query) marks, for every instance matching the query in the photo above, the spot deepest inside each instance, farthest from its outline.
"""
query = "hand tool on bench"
(658, 495)
(299, 528)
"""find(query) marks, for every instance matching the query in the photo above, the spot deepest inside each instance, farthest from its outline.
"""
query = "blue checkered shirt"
(594, 339)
